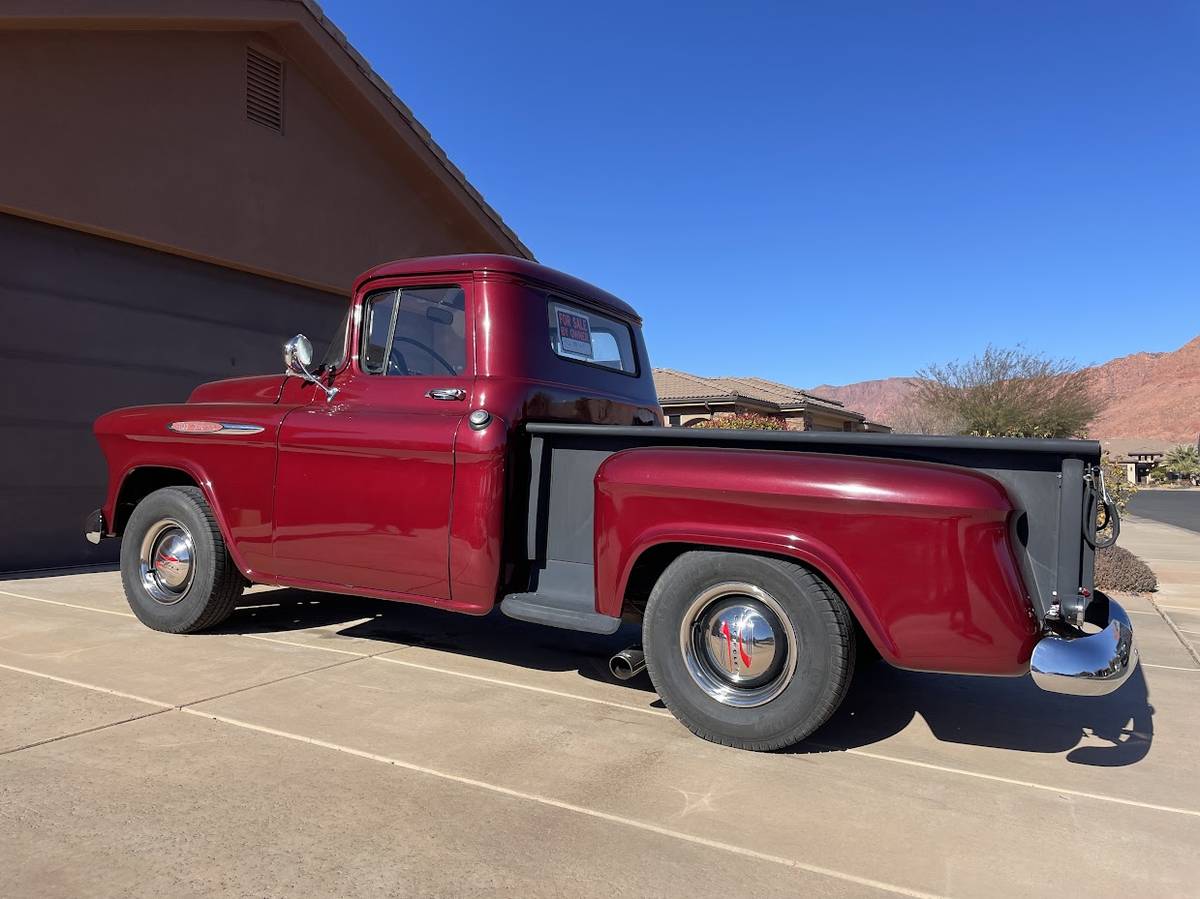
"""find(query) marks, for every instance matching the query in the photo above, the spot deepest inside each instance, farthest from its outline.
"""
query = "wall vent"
(264, 89)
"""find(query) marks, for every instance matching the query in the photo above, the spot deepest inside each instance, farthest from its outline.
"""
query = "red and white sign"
(574, 332)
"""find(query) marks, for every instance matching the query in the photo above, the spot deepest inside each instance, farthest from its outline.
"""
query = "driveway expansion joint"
(1187, 644)
(275, 680)
(85, 731)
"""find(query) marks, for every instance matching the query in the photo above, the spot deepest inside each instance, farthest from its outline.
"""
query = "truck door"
(363, 487)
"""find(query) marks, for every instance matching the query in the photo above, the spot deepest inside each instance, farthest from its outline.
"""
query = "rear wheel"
(177, 573)
(748, 651)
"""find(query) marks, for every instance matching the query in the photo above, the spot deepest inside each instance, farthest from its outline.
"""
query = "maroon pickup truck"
(484, 430)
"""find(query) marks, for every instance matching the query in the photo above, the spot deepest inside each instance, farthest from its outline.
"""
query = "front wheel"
(749, 651)
(177, 573)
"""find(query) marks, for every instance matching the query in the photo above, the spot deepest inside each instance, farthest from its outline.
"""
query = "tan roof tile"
(676, 386)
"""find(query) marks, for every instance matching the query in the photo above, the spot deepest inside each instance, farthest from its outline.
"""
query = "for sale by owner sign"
(574, 332)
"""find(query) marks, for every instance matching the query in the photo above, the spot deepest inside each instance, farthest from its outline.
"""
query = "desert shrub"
(748, 421)
(1008, 393)
(1119, 569)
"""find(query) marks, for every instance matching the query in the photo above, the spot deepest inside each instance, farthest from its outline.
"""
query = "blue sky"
(829, 192)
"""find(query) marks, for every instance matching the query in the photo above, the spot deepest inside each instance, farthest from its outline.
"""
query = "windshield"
(335, 354)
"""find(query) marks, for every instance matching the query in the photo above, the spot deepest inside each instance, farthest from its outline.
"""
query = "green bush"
(748, 421)
(1119, 569)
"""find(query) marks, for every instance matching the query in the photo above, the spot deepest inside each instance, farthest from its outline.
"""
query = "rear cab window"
(591, 338)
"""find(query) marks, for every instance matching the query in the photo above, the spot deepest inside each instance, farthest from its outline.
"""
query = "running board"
(561, 610)
(562, 595)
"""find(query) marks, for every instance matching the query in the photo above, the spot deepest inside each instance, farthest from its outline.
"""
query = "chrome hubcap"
(738, 645)
(165, 561)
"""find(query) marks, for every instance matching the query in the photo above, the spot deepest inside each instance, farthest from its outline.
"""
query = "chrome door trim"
(446, 393)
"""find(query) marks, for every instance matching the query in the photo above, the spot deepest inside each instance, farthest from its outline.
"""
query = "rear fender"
(919, 552)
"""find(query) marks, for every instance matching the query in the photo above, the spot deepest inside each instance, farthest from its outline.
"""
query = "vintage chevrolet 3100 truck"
(485, 430)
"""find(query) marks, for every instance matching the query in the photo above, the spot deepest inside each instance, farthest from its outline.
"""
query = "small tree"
(1008, 393)
(1183, 462)
(745, 421)
(1117, 482)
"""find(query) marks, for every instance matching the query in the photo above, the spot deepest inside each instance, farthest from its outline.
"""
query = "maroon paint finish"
(253, 389)
(364, 482)
(387, 492)
(384, 491)
(485, 264)
(519, 377)
(236, 472)
(919, 551)
(477, 515)
(363, 490)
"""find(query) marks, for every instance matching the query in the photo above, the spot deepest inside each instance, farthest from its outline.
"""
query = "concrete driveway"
(324, 745)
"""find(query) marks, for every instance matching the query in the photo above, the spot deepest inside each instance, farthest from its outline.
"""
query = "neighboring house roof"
(288, 21)
(681, 387)
(786, 396)
(1124, 449)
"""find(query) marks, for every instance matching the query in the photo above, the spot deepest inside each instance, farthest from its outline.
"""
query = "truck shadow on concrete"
(495, 636)
(1001, 713)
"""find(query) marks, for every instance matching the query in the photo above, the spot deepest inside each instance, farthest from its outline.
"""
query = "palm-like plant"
(1182, 462)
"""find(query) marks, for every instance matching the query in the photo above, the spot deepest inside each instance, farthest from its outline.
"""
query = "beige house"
(1137, 455)
(687, 399)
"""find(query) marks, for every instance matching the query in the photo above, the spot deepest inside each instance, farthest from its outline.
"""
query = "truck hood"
(254, 389)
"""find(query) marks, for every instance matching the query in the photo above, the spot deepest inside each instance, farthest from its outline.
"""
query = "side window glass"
(381, 308)
(417, 331)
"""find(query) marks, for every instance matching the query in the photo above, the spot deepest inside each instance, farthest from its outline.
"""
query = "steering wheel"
(397, 364)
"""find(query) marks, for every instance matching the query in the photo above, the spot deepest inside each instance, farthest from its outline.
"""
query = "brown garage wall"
(89, 324)
(143, 135)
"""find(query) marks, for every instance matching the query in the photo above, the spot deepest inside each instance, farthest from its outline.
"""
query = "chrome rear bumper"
(1090, 664)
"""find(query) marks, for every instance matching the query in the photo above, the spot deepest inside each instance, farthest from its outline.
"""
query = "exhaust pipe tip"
(628, 663)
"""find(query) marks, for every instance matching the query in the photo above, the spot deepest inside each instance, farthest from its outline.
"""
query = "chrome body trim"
(219, 427)
(1088, 664)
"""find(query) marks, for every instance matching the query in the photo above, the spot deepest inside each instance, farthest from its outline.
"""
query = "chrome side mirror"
(297, 357)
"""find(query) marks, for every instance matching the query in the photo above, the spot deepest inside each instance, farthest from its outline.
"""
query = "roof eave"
(421, 131)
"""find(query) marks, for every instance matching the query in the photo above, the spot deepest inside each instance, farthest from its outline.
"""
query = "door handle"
(447, 393)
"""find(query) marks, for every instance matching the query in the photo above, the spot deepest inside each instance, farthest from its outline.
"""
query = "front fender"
(234, 469)
(919, 552)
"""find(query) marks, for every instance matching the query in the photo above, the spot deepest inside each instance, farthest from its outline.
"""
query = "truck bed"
(1045, 480)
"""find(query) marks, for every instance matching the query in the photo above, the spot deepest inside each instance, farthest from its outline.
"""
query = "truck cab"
(483, 431)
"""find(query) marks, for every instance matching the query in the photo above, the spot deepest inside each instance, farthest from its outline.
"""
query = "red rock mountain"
(1148, 395)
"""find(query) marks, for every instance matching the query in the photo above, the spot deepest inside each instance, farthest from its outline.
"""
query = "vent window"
(264, 90)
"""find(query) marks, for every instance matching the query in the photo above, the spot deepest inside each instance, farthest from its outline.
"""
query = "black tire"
(824, 659)
(211, 594)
